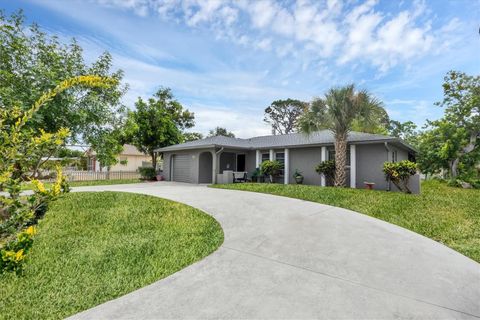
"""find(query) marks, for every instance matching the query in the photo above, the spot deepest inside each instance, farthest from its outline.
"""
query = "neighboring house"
(208, 160)
(129, 160)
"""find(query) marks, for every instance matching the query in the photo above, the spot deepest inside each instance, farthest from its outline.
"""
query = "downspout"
(389, 186)
(217, 163)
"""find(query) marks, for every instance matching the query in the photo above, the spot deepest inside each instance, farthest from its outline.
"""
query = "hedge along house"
(214, 159)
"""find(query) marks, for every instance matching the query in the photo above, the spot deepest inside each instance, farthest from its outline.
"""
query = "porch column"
(258, 158)
(323, 157)
(286, 169)
(272, 155)
(353, 166)
(214, 167)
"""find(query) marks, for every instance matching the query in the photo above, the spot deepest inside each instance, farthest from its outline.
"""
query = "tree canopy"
(452, 143)
(191, 136)
(33, 62)
(339, 110)
(156, 123)
(219, 131)
(403, 130)
(283, 115)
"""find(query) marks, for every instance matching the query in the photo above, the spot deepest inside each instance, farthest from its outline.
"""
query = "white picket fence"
(93, 175)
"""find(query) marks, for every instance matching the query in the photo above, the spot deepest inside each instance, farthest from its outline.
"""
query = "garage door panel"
(182, 164)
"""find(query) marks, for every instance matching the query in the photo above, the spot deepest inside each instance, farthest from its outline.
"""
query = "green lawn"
(448, 215)
(93, 247)
(28, 186)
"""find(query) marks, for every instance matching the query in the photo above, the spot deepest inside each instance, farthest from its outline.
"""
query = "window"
(280, 157)
(265, 156)
(331, 155)
(394, 156)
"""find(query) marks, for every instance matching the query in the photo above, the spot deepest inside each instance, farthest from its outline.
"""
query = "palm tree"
(339, 111)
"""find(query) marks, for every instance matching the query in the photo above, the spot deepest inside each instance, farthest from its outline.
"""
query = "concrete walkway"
(287, 258)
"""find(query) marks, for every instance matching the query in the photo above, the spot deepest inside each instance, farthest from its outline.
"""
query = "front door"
(240, 162)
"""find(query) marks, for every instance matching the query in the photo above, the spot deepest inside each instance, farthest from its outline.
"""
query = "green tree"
(428, 158)
(32, 62)
(283, 115)
(403, 130)
(461, 100)
(338, 111)
(156, 123)
(219, 131)
(108, 145)
(191, 136)
(21, 152)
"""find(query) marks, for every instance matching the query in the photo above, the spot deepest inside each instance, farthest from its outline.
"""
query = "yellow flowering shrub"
(13, 254)
(21, 150)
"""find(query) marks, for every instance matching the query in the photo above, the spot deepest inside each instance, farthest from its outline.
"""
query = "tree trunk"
(340, 160)
(467, 149)
(454, 168)
(154, 160)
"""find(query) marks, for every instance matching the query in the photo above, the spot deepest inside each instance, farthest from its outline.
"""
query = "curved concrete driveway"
(287, 258)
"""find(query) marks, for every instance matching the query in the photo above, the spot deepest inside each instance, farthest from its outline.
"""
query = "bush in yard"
(327, 168)
(399, 173)
(21, 153)
(256, 175)
(13, 254)
(147, 173)
(271, 169)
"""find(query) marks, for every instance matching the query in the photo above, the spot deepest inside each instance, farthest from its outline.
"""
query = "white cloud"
(294, 48)
(242, 124)
(264, 44)
(359, 31)
(262, 13)
(140, 7)
(385, 41)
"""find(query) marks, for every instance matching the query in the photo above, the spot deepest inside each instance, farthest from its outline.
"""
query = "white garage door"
(181, 167)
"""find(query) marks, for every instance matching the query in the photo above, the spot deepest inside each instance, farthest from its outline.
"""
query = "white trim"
(258, 158)
(323, 157)
(286, 171)
(353, 166)
(272, 154)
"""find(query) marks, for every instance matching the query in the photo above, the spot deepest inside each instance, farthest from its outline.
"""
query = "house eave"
(312, 145)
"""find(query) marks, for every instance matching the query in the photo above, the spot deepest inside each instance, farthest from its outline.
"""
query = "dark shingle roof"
(276, 141)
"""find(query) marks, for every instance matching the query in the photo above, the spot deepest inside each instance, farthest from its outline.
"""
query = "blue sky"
(227, 60)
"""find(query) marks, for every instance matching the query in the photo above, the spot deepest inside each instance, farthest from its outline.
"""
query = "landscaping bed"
(94, 247)
(445, 214)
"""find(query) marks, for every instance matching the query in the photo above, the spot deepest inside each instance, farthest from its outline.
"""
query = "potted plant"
(297, 175)
(271, 168)
(160, 176)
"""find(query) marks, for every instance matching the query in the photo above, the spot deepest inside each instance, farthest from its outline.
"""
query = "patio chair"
(239, 177)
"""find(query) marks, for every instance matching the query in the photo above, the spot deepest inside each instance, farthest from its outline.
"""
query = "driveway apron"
(288, 258)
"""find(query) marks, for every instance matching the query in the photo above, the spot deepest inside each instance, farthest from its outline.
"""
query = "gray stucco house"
(210, 160)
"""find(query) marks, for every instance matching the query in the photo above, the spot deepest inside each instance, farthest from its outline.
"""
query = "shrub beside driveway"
(445, 214)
